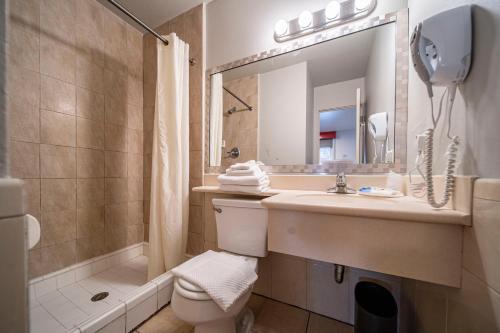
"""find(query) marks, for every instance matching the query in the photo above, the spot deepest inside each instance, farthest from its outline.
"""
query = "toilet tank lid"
(256, 204)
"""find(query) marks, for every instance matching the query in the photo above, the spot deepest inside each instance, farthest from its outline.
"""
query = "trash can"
(376, 310)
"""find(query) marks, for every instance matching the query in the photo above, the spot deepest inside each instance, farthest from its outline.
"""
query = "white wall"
(283, 116)
(240, 28)
(381, 79)
(345, 145)
(311, 153)
(331, 96)
(476, 115)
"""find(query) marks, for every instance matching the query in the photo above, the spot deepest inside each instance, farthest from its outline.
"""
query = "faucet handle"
(341, 180)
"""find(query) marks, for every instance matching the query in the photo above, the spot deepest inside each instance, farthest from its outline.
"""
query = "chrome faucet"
(341, 186)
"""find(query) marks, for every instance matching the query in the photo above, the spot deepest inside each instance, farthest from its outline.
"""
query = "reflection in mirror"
(333, 101)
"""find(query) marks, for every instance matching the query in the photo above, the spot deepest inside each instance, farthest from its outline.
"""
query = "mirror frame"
(400, 18)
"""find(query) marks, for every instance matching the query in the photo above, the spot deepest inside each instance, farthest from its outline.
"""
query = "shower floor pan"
(62, 301)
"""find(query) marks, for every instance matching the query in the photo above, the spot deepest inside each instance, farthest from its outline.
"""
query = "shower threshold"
(108, 294)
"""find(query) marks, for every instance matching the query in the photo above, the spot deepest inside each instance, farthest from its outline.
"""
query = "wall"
(283, 115)
(241, 129)
(475, 307)
(240, 28)
(189, 27)
(475, 115)
(75, 123)
(381, 80)
(3, 113)
(345, 145)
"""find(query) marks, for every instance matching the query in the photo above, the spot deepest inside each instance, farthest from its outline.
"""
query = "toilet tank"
(241, 226)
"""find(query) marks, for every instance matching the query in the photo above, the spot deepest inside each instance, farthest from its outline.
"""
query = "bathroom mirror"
(313, 107)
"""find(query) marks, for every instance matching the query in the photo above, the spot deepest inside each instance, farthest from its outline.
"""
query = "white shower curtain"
(169, 207)
(216, 111)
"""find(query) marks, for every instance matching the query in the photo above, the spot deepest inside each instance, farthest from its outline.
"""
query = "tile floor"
(271, 317)
(65, 308)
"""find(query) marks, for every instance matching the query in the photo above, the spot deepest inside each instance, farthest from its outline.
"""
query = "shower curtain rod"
(239, 99)
(125, 11)
(137, 20)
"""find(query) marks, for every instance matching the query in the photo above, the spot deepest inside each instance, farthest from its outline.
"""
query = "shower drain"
(99, 297)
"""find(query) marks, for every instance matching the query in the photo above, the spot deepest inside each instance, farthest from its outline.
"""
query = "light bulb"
(305, 19)
(281, 27)
(332, 10)
(362, 4)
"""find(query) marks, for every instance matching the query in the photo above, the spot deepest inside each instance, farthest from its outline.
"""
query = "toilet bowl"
(194, 306)
(241, 230)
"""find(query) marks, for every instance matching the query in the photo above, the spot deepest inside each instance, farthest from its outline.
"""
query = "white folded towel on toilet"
(253, 171)
(245, 166)
(223, 276)
(252, 189)
(243, 180)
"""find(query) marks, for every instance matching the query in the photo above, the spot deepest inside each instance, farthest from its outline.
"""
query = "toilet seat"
(194, 292)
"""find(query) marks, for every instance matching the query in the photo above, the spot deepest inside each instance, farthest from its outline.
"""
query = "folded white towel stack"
(223, 276)
(245, 177)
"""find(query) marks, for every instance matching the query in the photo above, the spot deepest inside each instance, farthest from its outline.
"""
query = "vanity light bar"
(337, 12)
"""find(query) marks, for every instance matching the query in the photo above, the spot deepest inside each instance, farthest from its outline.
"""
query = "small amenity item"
(372, 191)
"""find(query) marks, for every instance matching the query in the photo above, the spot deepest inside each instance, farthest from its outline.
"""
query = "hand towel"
(253, 171)
(245, 166)
(253, 189)
(243, 180)
(223, 276)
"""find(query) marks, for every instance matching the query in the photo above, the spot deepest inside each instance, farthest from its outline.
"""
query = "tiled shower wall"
(75, 127)
(241, 128)
(189, 27)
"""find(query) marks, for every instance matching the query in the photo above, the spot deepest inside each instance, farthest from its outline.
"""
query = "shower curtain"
(169, 205)
(216, 110)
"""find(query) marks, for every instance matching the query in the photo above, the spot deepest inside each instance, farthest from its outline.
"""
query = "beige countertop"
(400, 209)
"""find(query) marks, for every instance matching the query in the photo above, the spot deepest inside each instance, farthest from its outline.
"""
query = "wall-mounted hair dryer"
(441, 48)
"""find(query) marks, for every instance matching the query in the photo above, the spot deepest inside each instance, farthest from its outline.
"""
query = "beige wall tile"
(87, 248)
(58, 227)
(115, 35)
(116, 215)
(57, 161)
(473, 308)
(89, 134)
(89, 104)
(134, 56)
(115, 164)
(89, 75)
(24, 120)
(135, 213)
(90, 222)
(24, 86)
(89, 192)
(115, 237)
(195, 164)
(263, 284)
(135, 141)
(57, 128)
(115, 85)
(116, 190)
(148, 120)
(115, 111)
(135, 189)
(58, 256)
(196, 219)
(32, 196)
(57, 59)
(289, 280)
(57, 19)
(135, 234)
(195, 136)
(487, 189)
(134, 117)
(134, 93)
(324, 295)
(481, 243)
(57, 95)
(24, 159)
(24, 41)
(134, 165)
(194, 244)
(58, 194)
(89, 28)
(89, 163)
(116, 138)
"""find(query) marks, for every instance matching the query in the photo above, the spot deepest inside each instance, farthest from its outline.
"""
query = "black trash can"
(376, 310)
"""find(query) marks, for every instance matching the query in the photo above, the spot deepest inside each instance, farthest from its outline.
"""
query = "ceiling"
(153, 12)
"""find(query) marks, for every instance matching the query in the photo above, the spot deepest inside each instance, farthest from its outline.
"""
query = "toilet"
(241, 230)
